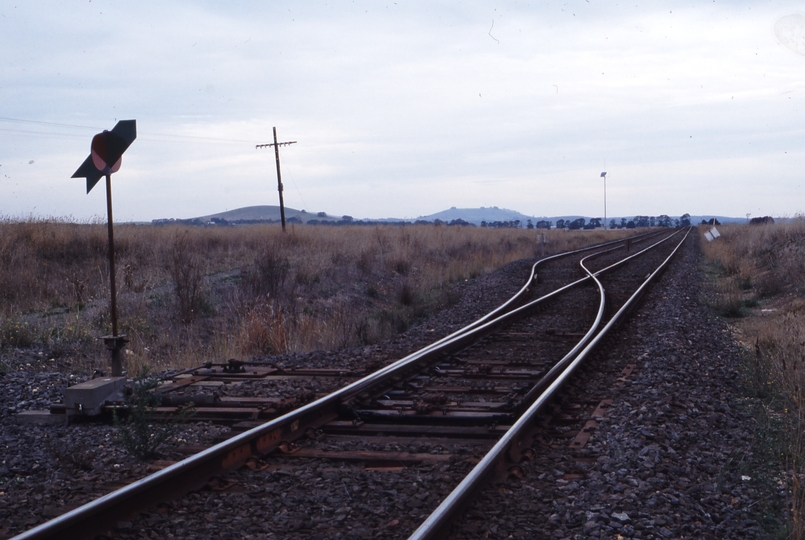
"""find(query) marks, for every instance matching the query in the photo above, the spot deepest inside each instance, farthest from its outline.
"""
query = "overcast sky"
(402, 109)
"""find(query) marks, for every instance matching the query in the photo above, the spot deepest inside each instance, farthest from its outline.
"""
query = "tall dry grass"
(759, 280)
(187, 295)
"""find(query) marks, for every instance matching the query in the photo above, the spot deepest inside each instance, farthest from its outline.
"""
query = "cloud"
(401, 109)
(790, 30)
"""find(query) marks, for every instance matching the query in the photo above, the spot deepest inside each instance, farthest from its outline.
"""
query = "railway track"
(478, 388)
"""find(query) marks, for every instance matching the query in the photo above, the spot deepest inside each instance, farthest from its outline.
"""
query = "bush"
(14, 333)
(265, 331)
(269, 274)
(186, 267)
(140, 435)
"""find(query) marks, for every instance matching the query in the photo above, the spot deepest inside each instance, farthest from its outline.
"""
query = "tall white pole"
(604, 176)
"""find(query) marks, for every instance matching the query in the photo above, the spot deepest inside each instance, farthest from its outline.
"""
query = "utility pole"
(276, 146)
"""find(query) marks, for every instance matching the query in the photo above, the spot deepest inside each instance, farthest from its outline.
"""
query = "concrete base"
(88, 397)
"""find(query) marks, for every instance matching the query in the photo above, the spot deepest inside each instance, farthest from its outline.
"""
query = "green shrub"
(15, 333)
(140, 434)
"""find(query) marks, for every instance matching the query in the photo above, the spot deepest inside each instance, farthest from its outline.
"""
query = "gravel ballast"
(674, 457)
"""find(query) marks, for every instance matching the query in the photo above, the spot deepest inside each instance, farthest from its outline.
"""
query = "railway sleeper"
(437, 417)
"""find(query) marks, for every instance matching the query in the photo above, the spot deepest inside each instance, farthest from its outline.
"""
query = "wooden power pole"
(276, 146)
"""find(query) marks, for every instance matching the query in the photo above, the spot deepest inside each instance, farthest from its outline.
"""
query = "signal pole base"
(116, 344)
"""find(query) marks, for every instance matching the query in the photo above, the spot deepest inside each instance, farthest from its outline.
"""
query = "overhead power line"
(45, 133)
(147, 136)
(21, 121)
(196, 137)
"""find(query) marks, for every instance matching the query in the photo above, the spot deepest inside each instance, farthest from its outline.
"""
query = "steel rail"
(458, 341)
(525, 288)
(490, 326)
(100, 515)
(549, 377)
(438, 524)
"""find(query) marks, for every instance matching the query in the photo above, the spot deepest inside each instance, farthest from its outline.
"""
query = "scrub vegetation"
(188, 295)
(139, 433)
(758, 278)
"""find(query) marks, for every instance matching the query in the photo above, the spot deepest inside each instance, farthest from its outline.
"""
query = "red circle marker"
(99, 152)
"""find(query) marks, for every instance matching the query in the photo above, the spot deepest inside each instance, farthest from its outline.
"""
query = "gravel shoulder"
(679, 454)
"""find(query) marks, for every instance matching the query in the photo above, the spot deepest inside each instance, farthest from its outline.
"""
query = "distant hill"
(488, 214)
(270, 213)
(264, 213)
(470, 215)
(477, 215)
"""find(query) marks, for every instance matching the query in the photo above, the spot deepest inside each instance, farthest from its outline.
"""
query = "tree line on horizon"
(575, 224)
(594, 223)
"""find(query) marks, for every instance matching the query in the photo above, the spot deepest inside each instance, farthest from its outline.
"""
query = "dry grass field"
(187, 295)
(758, 276)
